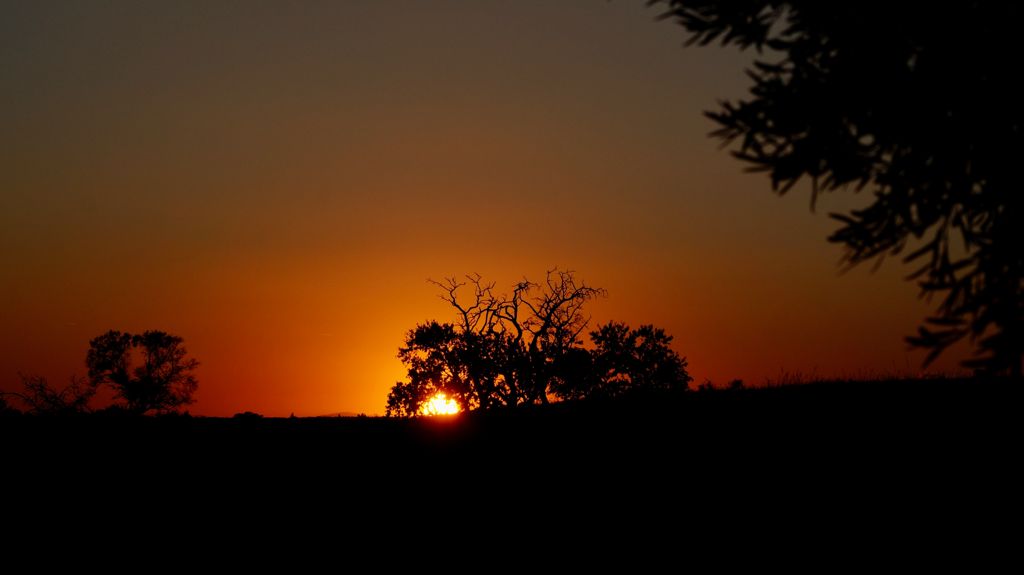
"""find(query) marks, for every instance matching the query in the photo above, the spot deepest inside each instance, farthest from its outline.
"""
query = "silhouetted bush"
(40, 398)
(247, 416)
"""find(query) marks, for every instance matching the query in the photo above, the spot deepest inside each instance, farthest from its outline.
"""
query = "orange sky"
(275, 182)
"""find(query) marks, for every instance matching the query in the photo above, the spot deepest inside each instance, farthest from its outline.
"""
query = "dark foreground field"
(885, 461)
(875, 425)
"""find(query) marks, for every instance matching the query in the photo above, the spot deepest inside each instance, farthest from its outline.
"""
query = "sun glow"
(439, 404)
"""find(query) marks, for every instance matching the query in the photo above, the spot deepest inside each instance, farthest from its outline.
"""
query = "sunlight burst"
(439, 404)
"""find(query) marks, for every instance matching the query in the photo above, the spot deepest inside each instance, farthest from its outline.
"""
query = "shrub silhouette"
(40, 398)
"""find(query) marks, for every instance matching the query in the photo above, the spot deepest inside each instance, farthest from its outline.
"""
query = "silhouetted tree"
(434, 356)
(163, 381)
(502, 349)
(631, 360)
(916, 103)
(40, 398)
(525, 348)
(575, 376)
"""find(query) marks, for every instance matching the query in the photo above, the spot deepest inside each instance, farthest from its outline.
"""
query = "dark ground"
(895, 457)
(898, 425)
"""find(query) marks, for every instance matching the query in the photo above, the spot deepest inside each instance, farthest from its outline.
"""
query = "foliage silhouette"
(162, 382)
(248, 415)
(915, 104)
(641, 359)
(40, 398)
(501, 350)
(6, 408)
(525, 348)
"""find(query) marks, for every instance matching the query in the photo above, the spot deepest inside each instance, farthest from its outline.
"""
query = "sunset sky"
(275, 182)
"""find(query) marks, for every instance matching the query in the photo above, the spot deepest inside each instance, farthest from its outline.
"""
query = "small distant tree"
(163, 379)
(40, 398)
(631, 360)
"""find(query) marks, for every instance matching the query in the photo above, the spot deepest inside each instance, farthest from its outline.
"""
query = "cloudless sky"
(275, 181)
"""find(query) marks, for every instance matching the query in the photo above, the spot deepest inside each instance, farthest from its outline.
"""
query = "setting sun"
(440, 404)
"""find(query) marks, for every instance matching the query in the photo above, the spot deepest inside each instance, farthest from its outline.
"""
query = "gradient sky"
(275, 181)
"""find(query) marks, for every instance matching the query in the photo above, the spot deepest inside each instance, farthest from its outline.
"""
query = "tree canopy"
(162, 381)
(914, 102)
(526, 348)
